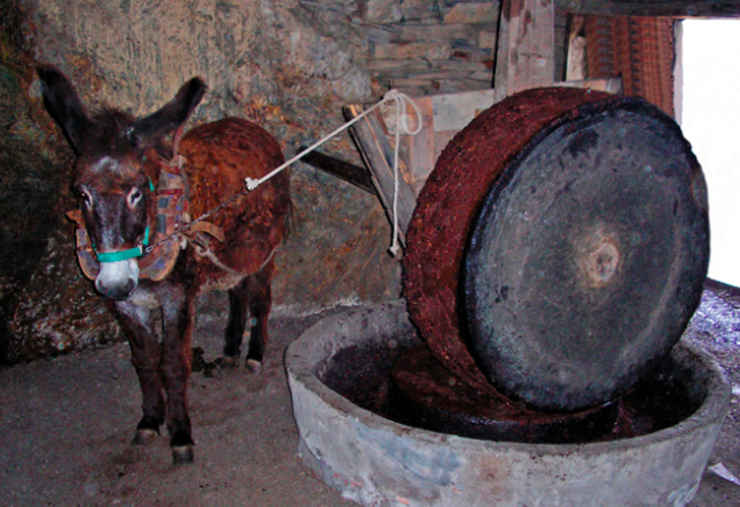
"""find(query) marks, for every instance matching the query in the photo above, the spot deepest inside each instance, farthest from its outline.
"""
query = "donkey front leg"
(138, 324)
(177, 331)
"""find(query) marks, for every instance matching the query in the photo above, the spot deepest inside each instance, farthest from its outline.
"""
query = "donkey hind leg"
(237, 322)
(260, 302)
(252, 294)
(138, 324)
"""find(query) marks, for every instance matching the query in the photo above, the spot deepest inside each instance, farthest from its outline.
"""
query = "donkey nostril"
(130, 287)
(100, 286)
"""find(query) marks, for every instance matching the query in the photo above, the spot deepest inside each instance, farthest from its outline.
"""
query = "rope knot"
(403, 119)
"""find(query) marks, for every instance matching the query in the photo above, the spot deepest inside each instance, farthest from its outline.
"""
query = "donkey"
(128, 187)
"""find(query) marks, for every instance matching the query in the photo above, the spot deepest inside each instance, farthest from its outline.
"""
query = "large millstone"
(570, 229)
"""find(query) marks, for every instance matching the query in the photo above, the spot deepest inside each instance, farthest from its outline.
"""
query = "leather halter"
(172, 205)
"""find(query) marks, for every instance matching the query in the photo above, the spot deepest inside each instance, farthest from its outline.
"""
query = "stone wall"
(288, 64)
(444, 50)
(421, 47)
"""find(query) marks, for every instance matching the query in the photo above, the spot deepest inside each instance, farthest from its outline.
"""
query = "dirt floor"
(66, 423)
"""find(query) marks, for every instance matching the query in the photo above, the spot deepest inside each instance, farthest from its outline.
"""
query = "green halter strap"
(123, 255)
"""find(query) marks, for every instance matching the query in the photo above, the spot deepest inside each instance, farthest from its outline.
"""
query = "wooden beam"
(526, 47)
(377, 153)
(357, 176)
(669, 8)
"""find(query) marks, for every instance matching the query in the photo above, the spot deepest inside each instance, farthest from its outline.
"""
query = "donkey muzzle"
(117, 280)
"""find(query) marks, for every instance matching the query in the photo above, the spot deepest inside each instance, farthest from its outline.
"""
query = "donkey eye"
(134, 196)
(85, 197)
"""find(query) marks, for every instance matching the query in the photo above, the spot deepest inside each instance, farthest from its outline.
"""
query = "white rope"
(402, 125)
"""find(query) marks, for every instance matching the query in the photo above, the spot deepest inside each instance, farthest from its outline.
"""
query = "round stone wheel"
(588, 257)
(577, 223)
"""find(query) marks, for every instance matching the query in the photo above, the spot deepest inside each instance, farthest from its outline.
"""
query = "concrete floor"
(65, 426)
(66, 423)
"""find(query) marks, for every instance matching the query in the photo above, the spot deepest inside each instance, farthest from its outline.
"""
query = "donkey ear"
(63, 104)
(147, 131)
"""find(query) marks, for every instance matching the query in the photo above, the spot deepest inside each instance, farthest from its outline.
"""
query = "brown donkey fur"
(120, 159)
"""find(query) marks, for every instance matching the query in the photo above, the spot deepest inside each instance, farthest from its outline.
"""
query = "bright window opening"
(710, 119)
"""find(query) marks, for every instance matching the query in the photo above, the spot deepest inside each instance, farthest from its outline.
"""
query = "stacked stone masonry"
(425, 48)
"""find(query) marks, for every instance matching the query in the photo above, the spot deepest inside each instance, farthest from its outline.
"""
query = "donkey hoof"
(144, 436)
(253, 365)
(183, 454)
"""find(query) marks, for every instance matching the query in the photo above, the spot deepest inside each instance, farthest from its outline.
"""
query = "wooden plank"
(442, 117)
(611, 85)
(526, 47)
(450, 111)
(670, 8)
(455, 111)
(421, 146)
(441, 139)
(377, 152)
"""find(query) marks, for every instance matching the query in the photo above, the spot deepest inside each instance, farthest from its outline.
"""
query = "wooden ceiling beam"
(671, 8)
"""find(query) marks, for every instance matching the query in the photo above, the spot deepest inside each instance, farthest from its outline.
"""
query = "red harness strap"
(172, 214)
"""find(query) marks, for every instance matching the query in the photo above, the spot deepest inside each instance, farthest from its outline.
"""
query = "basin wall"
(375, 461)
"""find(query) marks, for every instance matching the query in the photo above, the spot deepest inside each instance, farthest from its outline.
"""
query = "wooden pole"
(526, 47)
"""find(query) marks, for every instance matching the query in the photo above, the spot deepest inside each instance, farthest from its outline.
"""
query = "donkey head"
(113, 172)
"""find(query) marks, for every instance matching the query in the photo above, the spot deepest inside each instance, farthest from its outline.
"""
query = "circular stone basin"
(375, 461)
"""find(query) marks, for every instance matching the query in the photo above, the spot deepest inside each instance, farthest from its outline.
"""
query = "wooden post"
(526, 47)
